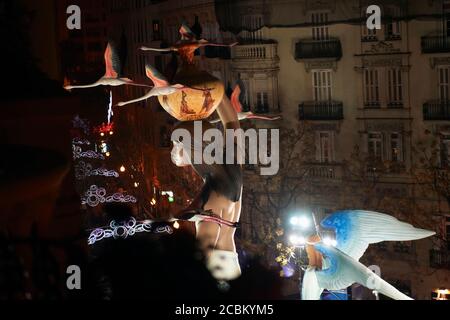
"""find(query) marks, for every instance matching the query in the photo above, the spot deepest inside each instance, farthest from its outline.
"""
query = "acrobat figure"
(184, 109)
(209, 101)
(221, 195)
(187, 46)
(337, 266)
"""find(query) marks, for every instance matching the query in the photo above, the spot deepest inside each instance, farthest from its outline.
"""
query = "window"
(392, 29)
(262, 102)
(395, 89)
(376, 146)
(445, 150)
(396, 152)
(156, 30)
(322, 85)
(325, 152)
(443, 83)
(371, 88)
(320, 28)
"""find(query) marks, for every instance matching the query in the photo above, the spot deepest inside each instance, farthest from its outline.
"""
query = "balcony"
(435, 44)
(436, 110)
(252, 51)
(321, 110)
(313, 49)
(325, 171)
(440, 259)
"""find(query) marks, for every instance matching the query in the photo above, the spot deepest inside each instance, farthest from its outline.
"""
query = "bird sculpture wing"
(112, 62)
(158, 79)
(186, 33)
(356, 229)
(156, 49)
(343, 271)
(206, 43)
(235, 102)
(310, 285)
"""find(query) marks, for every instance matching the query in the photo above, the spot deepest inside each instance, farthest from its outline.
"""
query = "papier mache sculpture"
(337, 267)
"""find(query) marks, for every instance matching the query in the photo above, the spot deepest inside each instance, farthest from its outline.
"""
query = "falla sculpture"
(338, 267)
(188, 44)
(236, 103)
(113, 75)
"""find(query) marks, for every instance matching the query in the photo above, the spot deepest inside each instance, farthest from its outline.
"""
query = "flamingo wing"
(158, 79)
(186, 33)
(253, 116)
(112, 62)
(235, 102)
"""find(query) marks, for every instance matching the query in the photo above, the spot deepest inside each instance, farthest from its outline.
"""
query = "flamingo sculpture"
(188, 44)
(113, 71)
(162, 86)
(244, 115)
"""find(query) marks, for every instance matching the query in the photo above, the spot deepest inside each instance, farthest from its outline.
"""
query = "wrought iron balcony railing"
(440, 259)
(435, 44)
(311, 49)
(436, 110)
(321, 110)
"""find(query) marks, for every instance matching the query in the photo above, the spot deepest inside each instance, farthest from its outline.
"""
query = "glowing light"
(176, 225)
(330, 242)
(301, 221)
(171, 200)
(84, 170)
(111, 133)
(122, 169)
(95, 196)
(108, 154)
(442, 294)
(153, 202)
(102, 134)
(78, 154)
(136, 184)
(125, 229)
(297, 240)
(110, 109)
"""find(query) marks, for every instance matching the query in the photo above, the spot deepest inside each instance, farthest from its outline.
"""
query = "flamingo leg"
(83, 87)
(156, 49)
(263, 118)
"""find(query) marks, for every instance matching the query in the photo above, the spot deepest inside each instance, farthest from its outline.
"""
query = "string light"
(176, 225)
(123, 169)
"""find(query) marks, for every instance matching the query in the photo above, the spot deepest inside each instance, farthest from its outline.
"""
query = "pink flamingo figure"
(113, 71)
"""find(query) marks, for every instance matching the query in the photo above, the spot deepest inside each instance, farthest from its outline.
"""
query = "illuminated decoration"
(78, 153)
(81, 124)
(153, 202)
(442, 294)
(110, 108)
(81, 142)
(338, 264)
(84, 170)
(113, 73)
(176, 225)
(104, 129)
(202, 93)
(104, 148)
(123, 169)
(123, 230)
(95, 196)
(136, 184)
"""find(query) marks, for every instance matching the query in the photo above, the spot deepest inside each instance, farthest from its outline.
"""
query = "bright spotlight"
(301, 221)
(297, 240)
(330, 242)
